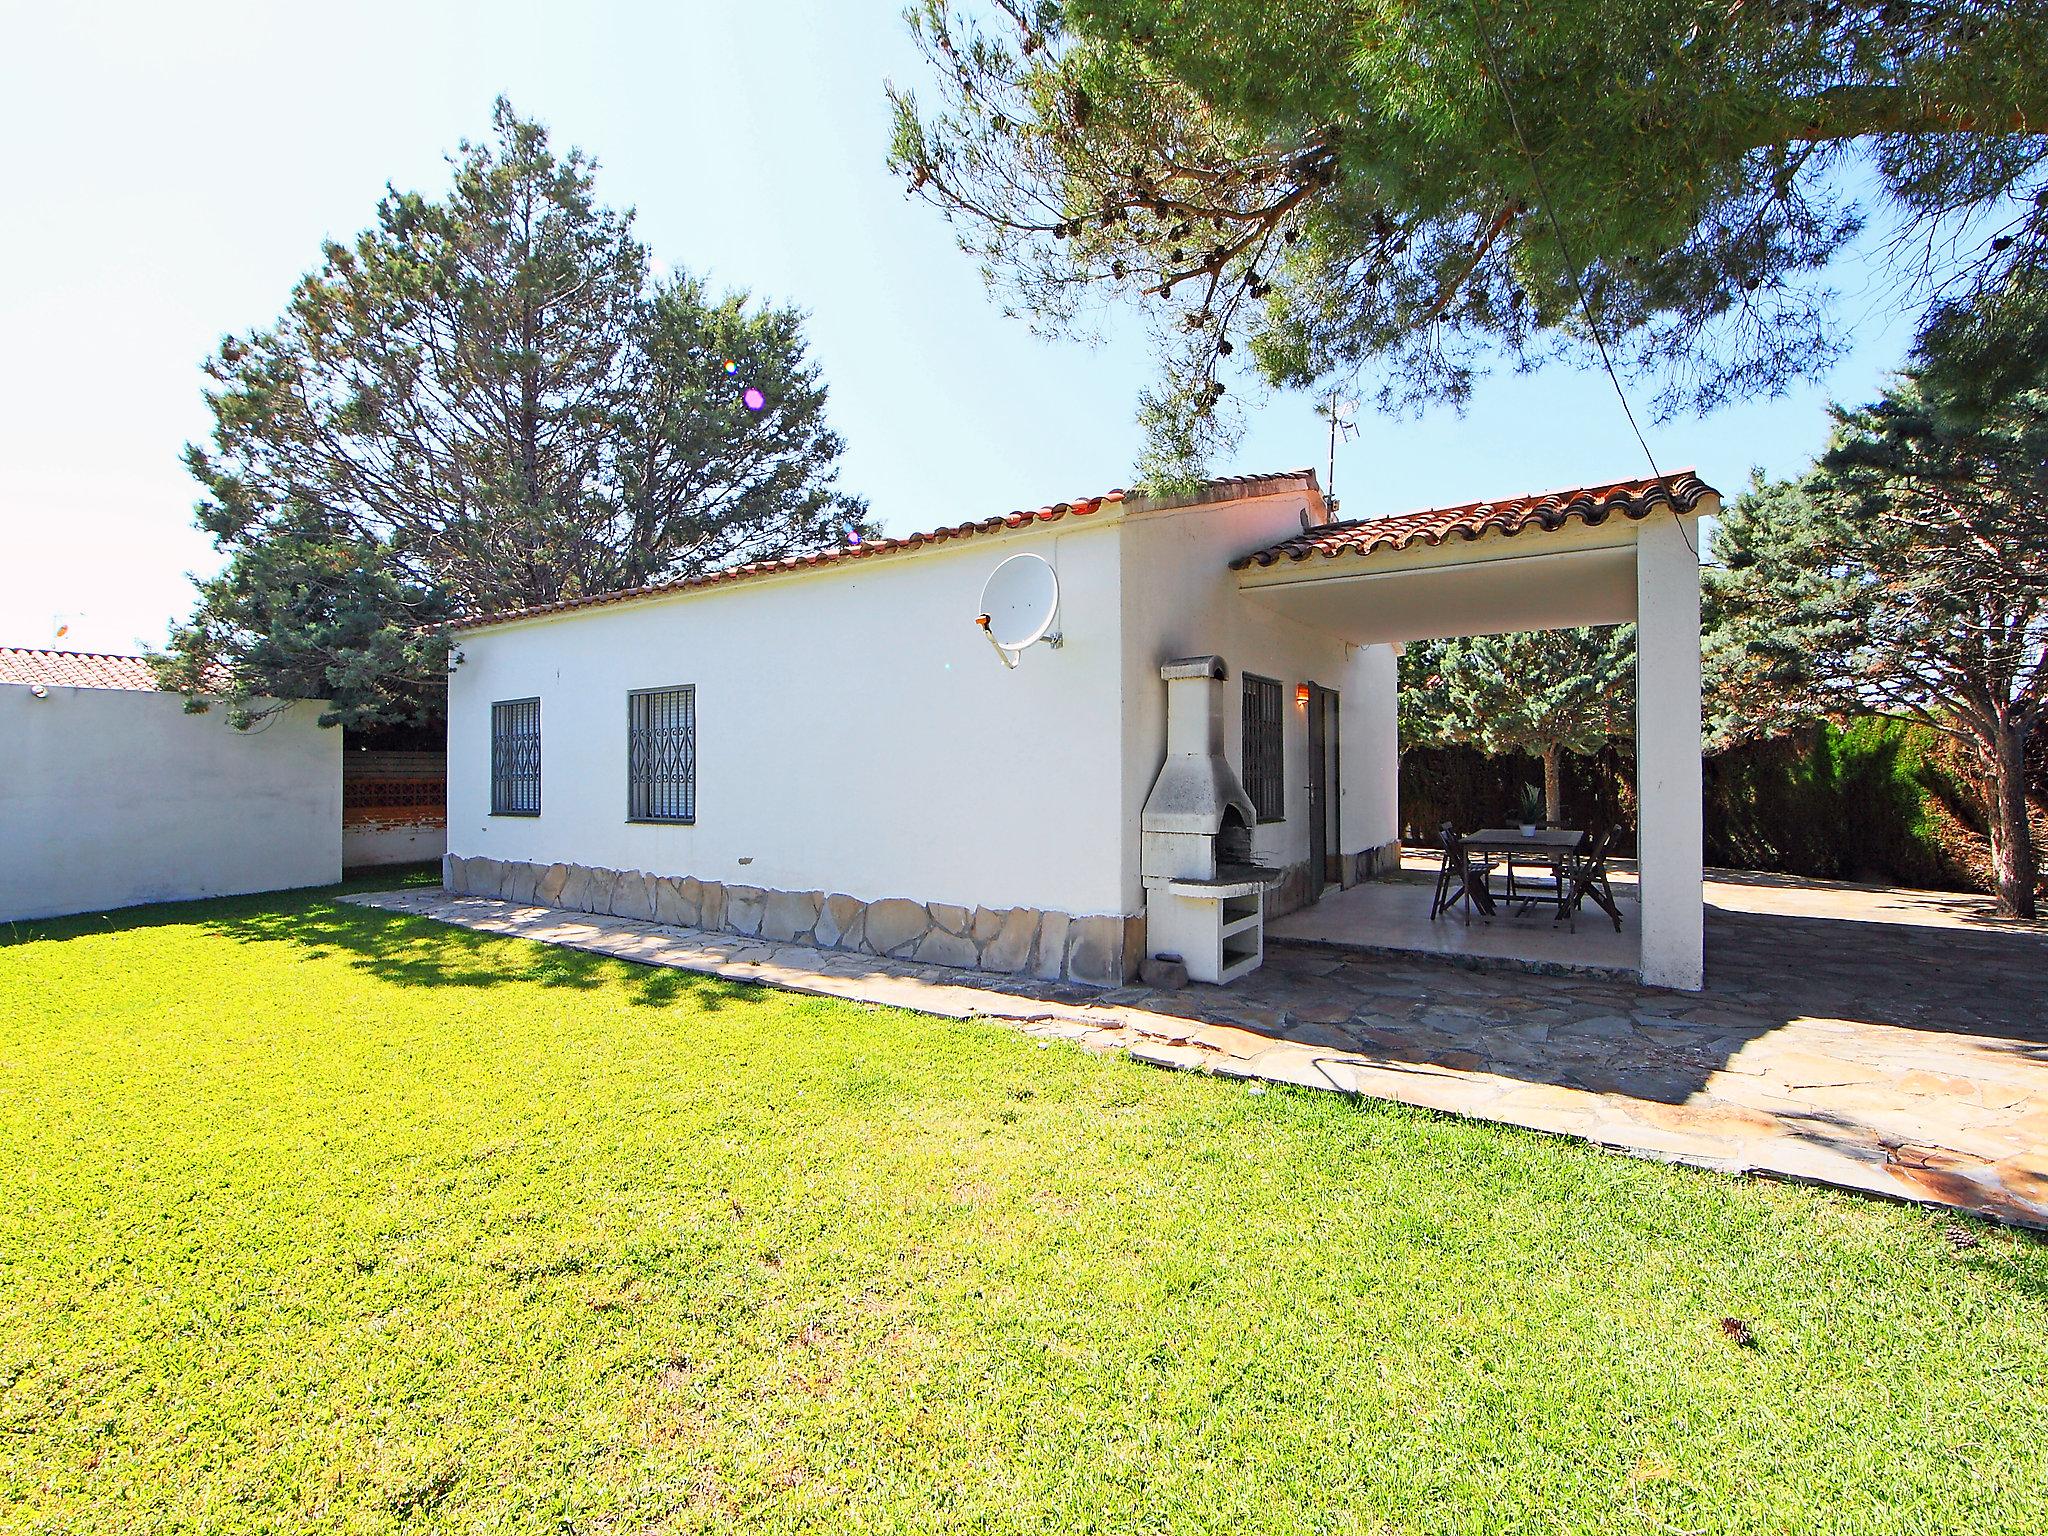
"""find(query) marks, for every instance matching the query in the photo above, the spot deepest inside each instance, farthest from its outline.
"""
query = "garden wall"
(112, 797)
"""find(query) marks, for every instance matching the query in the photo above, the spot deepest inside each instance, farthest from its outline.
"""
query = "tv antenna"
(1020, 603)
(1343, 423)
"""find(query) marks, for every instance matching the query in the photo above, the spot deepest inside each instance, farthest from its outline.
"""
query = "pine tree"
(1408, 190)
(1544, 692)
(485, 402)
(1906, 575)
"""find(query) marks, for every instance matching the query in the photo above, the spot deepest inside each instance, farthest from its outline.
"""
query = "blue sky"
(176, 167)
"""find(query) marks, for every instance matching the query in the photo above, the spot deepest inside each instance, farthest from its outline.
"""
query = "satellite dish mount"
(1020, 604)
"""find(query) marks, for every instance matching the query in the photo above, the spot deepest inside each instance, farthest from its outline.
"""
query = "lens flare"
(754, 399)
(731, 366)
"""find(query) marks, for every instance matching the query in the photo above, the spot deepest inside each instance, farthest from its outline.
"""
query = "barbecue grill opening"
(1233, 838)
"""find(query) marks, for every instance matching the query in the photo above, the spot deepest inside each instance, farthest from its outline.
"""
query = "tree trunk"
(1553, 786)
(2012, 848)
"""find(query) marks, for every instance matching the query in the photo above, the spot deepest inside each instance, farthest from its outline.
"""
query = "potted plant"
(1531, 808)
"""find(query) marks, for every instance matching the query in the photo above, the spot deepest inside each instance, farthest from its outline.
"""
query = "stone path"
(1905, 1060)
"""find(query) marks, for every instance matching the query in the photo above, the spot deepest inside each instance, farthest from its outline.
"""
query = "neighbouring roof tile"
(75, 669)
(1546, 511)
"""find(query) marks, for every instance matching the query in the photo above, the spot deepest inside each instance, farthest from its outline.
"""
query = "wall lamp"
(1301, 693)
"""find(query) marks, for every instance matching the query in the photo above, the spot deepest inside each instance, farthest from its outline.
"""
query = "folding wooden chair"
(1462, 876)
(1587, 873)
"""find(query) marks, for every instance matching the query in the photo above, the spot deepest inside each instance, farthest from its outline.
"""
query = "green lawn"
(317, 1219)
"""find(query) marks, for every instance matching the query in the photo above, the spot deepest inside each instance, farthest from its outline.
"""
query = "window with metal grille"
(1264, 758)
(515, 758)
(661, 754)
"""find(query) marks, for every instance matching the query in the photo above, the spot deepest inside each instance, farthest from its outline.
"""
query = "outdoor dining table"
(1546, 845)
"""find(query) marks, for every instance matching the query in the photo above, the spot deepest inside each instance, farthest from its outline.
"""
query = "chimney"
(1198, 818)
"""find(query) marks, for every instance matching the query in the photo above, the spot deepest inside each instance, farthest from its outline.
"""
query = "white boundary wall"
(113, 797)
(372, 845)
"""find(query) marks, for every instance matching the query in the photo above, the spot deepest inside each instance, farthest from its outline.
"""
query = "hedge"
(1876, 800)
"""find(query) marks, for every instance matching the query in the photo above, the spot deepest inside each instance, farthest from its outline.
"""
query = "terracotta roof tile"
(1548, 511)
(1223, 489)
(75, 669)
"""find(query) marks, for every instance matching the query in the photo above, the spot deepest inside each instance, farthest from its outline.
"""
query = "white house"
(831, 748)
(112, 795)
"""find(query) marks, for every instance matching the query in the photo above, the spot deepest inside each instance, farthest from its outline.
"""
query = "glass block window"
(515, 758)
(1264, 759)
(661, 754)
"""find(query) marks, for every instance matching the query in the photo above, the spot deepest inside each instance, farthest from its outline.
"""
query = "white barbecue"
(1205, 899)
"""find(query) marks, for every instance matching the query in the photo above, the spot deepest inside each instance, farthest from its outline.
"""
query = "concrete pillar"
(1669, 828)
(1369, 749)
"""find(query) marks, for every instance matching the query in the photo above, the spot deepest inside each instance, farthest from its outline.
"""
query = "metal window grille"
(1264, 768)
(515, 758)
(661, 754)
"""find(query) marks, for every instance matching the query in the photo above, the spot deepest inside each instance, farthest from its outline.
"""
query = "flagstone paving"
(1905, 1059)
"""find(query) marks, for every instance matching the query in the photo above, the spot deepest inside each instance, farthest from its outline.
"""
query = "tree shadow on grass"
(185, 914)
(662, 985)
(404, 950)
(418, 952)
(407, 952)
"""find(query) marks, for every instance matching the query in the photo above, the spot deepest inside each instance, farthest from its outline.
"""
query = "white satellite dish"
(1020, 603)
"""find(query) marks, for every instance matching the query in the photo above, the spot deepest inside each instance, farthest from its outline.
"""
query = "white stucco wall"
(1372, 749)
(1182, 599)
(855, 732)
(111, 797)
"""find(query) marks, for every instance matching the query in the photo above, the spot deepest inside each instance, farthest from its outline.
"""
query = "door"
(1322, 775)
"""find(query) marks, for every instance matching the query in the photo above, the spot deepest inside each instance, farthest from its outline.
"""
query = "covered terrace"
(1610, 554)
